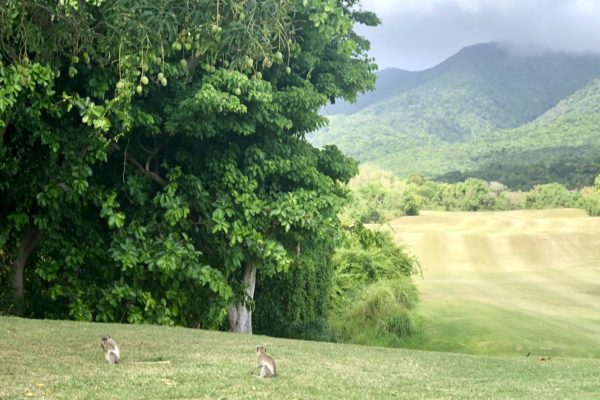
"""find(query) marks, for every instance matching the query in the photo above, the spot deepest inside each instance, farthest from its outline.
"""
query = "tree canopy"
(152, 153)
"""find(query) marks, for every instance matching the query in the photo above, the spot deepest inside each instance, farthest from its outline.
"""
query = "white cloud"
(420, 33)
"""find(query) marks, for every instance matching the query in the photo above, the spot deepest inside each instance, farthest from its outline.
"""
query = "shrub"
(591, 198)
(551, 195)
(366, 257)
(378, 315)
(410, 203)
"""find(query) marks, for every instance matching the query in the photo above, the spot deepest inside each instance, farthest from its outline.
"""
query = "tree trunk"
(240, 317)
(30, 241)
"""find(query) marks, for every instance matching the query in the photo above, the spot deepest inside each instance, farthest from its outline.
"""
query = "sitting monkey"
(111, 350)
(265, 363)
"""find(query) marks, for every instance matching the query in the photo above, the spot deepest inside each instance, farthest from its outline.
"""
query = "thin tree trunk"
(30, 241)
(240, 317)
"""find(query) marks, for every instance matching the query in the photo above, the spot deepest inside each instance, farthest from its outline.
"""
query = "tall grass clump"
(372, 292)
(378, 315)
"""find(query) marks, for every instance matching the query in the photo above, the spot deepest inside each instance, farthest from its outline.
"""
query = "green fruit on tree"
(86, 57)
(237, 91)
(258, 75)
(249, 62)
(144, 80)
(72, 72)
(85, 119)
(183, 63)
(214, 28)
(242, 17)
(188, 46)
(74, 60)
(160, 76)
(139, 89)
(288, 70)
(163, 81)
(176, 46)
(120, 85)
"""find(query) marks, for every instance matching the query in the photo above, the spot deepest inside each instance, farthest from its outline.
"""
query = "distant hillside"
(449, 118)
(390, 81)
(562, 145)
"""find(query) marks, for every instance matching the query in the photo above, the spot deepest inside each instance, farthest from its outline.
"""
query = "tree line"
(379, 196)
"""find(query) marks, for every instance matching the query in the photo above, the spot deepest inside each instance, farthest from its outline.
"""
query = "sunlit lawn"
(53, 359)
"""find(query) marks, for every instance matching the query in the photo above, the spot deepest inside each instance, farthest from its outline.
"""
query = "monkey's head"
(104, 338)
(261, 349)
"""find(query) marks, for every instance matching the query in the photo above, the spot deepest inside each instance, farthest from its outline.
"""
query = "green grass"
(506, 283)
(59, 359)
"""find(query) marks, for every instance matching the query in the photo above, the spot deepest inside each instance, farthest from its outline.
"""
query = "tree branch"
(150, 174)
(154, 152)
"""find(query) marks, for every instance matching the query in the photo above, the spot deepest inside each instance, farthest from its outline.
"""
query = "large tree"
(152, 153)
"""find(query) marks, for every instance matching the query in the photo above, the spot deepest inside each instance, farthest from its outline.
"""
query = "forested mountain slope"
(562, 145)
(413, 121)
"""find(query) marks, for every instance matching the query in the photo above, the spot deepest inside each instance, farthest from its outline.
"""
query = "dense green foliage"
(372, 292)
(380, 314)
(296, 304)
(153, 158)
(375, 203)
(475, 116)
(551, 195)
(591, 198)
(379, 196)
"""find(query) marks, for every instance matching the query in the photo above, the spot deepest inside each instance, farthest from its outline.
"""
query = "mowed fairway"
(507, 282)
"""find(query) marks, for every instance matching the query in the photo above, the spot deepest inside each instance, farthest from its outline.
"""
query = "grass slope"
(503, 283)
(54, 359)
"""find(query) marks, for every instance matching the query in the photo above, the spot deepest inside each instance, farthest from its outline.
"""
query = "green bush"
(382, 198)
(366, 257)
(551, 195)
(410, 204)
(591, 198)
(372, 291)
(378, 315)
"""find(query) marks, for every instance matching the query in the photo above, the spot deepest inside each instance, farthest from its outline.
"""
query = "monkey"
(111, 350)
(265, 363)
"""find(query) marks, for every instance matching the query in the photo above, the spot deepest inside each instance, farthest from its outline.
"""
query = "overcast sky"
(417, 34)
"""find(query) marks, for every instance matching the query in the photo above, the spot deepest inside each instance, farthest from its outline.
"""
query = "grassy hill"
(54, 359)
(486, 104)
(507, 282)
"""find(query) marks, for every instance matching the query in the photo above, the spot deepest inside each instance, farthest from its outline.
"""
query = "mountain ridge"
(483, 91)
